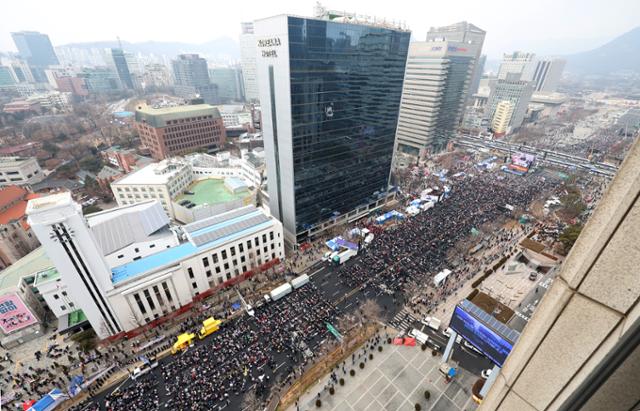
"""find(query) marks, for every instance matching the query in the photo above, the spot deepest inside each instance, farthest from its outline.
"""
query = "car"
(486, 373)
(447, 332)
(533, 276)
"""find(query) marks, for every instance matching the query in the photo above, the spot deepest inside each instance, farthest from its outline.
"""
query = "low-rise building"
(170, 131)
(127, 266)
(22, 106)
(20, 171)
(16, 238)
(126, 160)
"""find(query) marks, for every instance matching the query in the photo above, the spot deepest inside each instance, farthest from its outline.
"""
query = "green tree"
(569, 236)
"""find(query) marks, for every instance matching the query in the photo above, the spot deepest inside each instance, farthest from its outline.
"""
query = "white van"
(421, 337)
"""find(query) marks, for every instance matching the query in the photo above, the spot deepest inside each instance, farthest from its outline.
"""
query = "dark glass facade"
(346, 85)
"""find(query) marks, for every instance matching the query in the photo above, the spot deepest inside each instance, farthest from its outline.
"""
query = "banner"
(14, 314)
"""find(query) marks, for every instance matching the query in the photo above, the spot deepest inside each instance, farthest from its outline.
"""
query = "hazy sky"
(541, 26)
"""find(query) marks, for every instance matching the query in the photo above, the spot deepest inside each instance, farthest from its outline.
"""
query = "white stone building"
(20, 171)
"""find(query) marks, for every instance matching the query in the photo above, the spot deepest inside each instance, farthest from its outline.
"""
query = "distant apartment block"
(19, 171)
(171, 131)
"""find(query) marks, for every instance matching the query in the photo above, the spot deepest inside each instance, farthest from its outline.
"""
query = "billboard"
(522, 159)
(14, 314)
(490, 343)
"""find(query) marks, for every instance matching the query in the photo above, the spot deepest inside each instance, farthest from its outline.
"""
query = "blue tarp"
(49, 401)
(338, 242)
(235, 306)
(389, 216)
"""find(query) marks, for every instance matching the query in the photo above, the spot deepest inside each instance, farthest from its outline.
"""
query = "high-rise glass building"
(229, 83)
(120, 62)
(248, 61)
(514, 90)
(330, 94)
(36, 49)
(192, 78)
(435, 90)
(469, 34)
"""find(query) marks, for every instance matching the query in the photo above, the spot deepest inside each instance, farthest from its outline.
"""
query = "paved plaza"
(395, 379)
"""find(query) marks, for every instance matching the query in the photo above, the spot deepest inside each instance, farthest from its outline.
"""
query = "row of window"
(159, 297)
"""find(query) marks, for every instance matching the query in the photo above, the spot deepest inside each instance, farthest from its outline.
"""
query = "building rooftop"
(158, 117)
(44, 276)
(13, 212)
(204, 234)
(14, 161)
(108, 172)
(211, 191)
(35, 261)
(154, 173)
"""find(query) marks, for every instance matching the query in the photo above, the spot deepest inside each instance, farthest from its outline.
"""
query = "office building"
(122, 68)
(36, 49)
(7, 76)
(16, 238)
(171, 131)
(20, 171)
(580, 349)
(437, 76)
(156, 75)
(547, 74)
(514, 90)
(470, 35)
(248, 52)
(330, 94)
(522, 64)
(125, 267)
(229, 83)
(100, 80)
(73, 85)
(501, 118)
(192, 79)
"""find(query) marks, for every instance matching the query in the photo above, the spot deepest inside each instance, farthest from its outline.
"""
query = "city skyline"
(549, 29)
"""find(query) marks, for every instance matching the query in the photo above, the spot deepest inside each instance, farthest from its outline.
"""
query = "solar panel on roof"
(225, 231)
(500, 328)
(195, 226)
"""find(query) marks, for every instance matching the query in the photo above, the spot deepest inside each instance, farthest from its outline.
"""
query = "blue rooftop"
(174, 255)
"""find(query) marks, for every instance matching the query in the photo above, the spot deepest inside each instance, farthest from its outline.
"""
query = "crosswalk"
(403, 320)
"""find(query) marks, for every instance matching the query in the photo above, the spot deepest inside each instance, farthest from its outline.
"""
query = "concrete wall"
(589, 308)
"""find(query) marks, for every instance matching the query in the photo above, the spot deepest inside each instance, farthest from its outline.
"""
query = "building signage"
(269, 43)
(14, 314)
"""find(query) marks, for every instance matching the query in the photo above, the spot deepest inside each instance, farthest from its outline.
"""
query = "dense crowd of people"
(242, 356)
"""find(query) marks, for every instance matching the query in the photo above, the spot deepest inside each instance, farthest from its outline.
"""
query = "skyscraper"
(523, 64)
(248, 61)
(120, 61)
(330, 94)
(435, 90)
(192, 78)
(502, 117)
(472, 36)
(229, 83)
(514, 90)
(547, 74)
(36, 49)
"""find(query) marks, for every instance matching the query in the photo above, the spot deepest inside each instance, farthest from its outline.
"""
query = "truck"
(299, 281)
(183, 342)
(280, 291)
(432, 322)
(209, 326)
(441, 277)
(344, 256)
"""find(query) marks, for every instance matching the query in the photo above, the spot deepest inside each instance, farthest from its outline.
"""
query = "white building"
(547, 74)
(248, 51)
(235, 116)
(502, 117)
(54, 100)
(126, 267)
(20, 171)
(523, 64)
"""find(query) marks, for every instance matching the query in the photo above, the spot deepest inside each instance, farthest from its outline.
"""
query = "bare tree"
(250, 401)
(371, 310)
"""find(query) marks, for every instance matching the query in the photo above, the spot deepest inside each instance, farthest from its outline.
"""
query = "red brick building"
(171, 131)
(75, 85)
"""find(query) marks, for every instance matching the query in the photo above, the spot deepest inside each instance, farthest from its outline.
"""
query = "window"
(139, 302)
(233, 251)
(190, 271)
(264, 238)
(224, 254)
(273, 255)
(63, 308)
(256, 241)
(149, 300)
(205, 261)
(218, 270)
(265, 249)
(248, 244)
(165, 287)
(71, 305)
(136, 258)
(208, 273)
(121, 256)
(273, 246)
(242, 259)
(56, 296)
(241, 247)
(64, 293)
(235, 262)
(244, 268)
(152, 246)
(215, 258)
(258, 252)
(226, 266)
(194, 285)
(156, 291)
(271, 235)
(228, 276)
